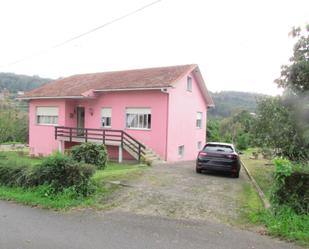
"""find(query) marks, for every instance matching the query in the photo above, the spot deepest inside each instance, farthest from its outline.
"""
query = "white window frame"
(181, 151)
(199, 120)
(138, 118)
(189, 84)
(47, 115)
(106, 113)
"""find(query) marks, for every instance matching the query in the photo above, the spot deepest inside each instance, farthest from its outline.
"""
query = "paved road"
(25, 227)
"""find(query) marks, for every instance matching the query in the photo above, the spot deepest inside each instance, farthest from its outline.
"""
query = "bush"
(291, 187)
(14, 173)
(61, 172)
(90, 153)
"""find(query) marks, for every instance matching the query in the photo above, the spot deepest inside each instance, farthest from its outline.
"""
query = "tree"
(276, 127)
(295, 76)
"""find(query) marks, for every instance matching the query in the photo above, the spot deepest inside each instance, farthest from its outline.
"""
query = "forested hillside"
(14, 82)
(228, 103)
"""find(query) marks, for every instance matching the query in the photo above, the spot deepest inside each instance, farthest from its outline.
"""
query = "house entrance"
(80, 120)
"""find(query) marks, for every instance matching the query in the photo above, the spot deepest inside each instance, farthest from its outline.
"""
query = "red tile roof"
(76, 85)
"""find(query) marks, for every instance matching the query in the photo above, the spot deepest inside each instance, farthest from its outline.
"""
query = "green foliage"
(90, 153)
(61, 172)
(15, 173)
(13, 122)
(57, 171)
(213, 131)
(230, 102)
(295, 76)
(285, 223)
(237, 129)
(14, 83)
(290, 187)
(277, 128)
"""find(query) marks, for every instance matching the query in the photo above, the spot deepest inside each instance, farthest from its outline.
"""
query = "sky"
(239, 45)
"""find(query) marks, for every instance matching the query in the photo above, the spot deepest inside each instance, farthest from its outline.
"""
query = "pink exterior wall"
(182, 112)
(41, 137)
(155, 138)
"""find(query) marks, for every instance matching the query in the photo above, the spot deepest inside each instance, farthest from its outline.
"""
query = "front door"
(80, 121)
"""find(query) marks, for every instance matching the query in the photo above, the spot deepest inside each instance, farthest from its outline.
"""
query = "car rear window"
(218, 148)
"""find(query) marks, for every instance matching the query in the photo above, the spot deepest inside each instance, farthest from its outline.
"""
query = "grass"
(285, 223)
(250, 203)
(11, 142)
(282, 221)
(261, 170)
(19, 156)
(40, 196)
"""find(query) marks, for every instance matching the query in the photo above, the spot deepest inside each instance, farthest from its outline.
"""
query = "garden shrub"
(61, 172)
(90, 153)
(291, 187)
(15, 173)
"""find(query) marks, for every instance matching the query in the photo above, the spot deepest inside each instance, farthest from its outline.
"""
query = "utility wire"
(83, 34)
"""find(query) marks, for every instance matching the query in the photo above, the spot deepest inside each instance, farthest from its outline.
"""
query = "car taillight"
(232, 156)
(202, 154)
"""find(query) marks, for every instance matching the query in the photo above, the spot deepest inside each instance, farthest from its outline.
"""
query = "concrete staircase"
(151, 157)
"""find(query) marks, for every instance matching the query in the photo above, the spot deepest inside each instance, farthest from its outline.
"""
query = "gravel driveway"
(175, 190)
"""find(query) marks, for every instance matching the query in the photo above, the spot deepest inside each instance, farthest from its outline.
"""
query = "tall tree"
(295, 76)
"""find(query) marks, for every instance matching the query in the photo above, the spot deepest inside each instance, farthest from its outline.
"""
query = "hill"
(229, 102)
(15, 82)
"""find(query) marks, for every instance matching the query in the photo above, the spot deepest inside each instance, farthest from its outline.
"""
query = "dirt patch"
(175, 190)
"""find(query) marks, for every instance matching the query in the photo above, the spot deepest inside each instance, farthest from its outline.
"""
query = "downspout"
(167, 121)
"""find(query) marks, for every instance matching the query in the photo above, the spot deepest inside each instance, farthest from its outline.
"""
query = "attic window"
(189, 84)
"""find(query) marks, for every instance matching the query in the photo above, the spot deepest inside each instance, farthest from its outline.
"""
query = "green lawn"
(19, 156)
(261, 170)
(40, 196)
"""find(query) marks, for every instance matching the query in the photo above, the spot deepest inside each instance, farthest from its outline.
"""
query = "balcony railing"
(104, 136)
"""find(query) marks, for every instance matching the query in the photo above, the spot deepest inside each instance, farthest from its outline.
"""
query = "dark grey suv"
(218, 157)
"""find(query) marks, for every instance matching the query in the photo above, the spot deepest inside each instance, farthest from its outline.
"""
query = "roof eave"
(50, 97)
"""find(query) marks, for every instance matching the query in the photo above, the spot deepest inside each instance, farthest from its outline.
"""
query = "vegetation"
(281, 220)
(91, 153)
(45, 196)
(13, 122)
(276, 127)
(235, 129)
(230, 102)
(14, 83)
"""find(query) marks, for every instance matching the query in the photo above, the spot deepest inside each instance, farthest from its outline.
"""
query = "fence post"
(56, 130)
(86, 137)
(70, 134)
(103, 136)
(139, 152)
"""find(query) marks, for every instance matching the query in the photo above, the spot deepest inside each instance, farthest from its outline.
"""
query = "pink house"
(154, 113)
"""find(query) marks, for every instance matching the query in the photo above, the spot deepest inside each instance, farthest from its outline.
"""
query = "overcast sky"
(238, 45)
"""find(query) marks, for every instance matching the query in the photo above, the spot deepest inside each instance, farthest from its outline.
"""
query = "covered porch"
(108, 137)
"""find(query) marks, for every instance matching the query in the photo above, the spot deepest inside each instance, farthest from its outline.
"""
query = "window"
(181, 150)
(199, 116)
(47, 115)
(199, 145)
(189, 84)
(106, 117)
(138, 118)
(218, 148)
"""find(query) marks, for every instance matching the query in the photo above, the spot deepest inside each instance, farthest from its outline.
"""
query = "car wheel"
(198, 171)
